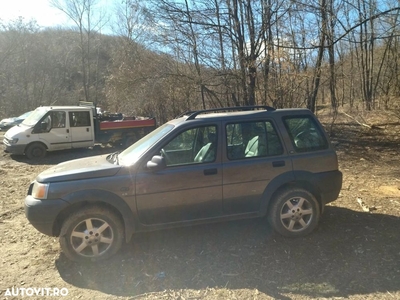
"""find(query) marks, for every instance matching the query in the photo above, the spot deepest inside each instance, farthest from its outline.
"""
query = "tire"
(35, 150)
(91, 234)
(294, 213)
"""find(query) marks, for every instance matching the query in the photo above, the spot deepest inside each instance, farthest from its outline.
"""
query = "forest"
(163, 57)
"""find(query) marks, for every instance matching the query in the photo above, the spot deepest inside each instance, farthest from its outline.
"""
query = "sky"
(40, 10)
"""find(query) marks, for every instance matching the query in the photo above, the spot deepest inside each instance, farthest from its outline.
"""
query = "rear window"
(305, 134)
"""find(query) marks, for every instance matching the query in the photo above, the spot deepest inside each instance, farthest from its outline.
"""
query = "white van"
(50, 128)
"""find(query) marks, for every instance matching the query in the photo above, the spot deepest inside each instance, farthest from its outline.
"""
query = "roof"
(59, 107)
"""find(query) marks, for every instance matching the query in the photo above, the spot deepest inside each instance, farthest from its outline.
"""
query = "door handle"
(279, 163)
(67, 130)
(87, 129)
(210, 171)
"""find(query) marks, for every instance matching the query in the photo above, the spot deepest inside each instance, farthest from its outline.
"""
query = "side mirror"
(156, 163)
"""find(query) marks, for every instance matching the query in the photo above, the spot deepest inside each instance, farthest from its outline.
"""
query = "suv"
(205, 166)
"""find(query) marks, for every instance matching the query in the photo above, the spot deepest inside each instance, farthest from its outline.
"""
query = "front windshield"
(25, 115)
(130, 155)
(35, 116)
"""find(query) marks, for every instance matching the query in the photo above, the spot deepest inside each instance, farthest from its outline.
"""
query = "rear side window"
(252, 139)
(305, 134)
(79, 118)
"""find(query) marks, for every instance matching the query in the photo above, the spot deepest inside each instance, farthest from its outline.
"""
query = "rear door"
(254, 155)
(81, 129)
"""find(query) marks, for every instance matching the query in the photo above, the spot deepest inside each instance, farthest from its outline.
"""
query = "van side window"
(305, 134)
(79, 119)
(252, 139)
(58, 119)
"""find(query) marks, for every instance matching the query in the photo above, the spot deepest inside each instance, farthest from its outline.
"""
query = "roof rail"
(193, 114)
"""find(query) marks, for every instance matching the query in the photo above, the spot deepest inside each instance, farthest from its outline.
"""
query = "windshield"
(134, 152)
(35, 116)
(25, 115)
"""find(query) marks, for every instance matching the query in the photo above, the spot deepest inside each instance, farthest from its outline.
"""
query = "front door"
(54, 131)
(190, 187)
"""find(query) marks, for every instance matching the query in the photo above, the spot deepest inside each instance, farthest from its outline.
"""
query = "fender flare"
(95, 196)
(273, 186)
(300, 179)
(37, 142)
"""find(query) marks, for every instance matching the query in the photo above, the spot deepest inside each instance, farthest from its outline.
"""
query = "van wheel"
(91, 234)
(35, 150)
(294, 213)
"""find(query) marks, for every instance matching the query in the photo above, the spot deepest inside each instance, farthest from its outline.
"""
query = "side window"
(46, 123)
(305, 134)
(58, 119)
(252, 139)
(195, 145)
(79, 119)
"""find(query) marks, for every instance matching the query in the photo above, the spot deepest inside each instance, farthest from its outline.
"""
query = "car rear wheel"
(91, 234)
(35, 150)
(294, 213)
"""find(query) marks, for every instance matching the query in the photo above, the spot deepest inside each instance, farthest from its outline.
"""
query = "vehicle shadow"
(351, 253)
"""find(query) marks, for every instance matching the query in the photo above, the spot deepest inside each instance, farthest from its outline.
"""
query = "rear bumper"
(329, 185)
(325, 186)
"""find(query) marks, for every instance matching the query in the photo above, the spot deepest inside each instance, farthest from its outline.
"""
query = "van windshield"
(130, 155)
(35, 116)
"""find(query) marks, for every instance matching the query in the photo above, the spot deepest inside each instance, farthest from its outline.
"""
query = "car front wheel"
(91, 234)
(294, 213)
(35, 150)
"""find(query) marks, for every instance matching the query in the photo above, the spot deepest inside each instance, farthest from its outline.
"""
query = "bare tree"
(89, 24)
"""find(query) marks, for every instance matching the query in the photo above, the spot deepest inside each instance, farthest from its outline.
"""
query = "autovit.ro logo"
(35, 291)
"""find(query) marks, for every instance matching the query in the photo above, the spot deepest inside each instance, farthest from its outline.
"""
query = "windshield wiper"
(114, 157)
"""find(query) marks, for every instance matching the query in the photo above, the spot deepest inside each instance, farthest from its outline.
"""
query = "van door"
(53, 131)
(81, 129)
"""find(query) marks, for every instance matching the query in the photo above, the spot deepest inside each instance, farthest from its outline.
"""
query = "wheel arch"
(36, 142)
(289, 181)
(80, 199)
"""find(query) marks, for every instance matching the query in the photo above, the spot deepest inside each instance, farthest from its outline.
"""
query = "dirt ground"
(354, 254)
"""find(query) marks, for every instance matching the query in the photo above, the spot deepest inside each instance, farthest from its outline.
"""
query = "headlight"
(13, 141)
(39, 190)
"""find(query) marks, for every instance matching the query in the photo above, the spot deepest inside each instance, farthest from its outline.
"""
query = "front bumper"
(42, 214)
(14, 149)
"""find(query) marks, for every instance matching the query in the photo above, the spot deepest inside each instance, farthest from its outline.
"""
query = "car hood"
(78, 169)
(8, 120)
(14, 131)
